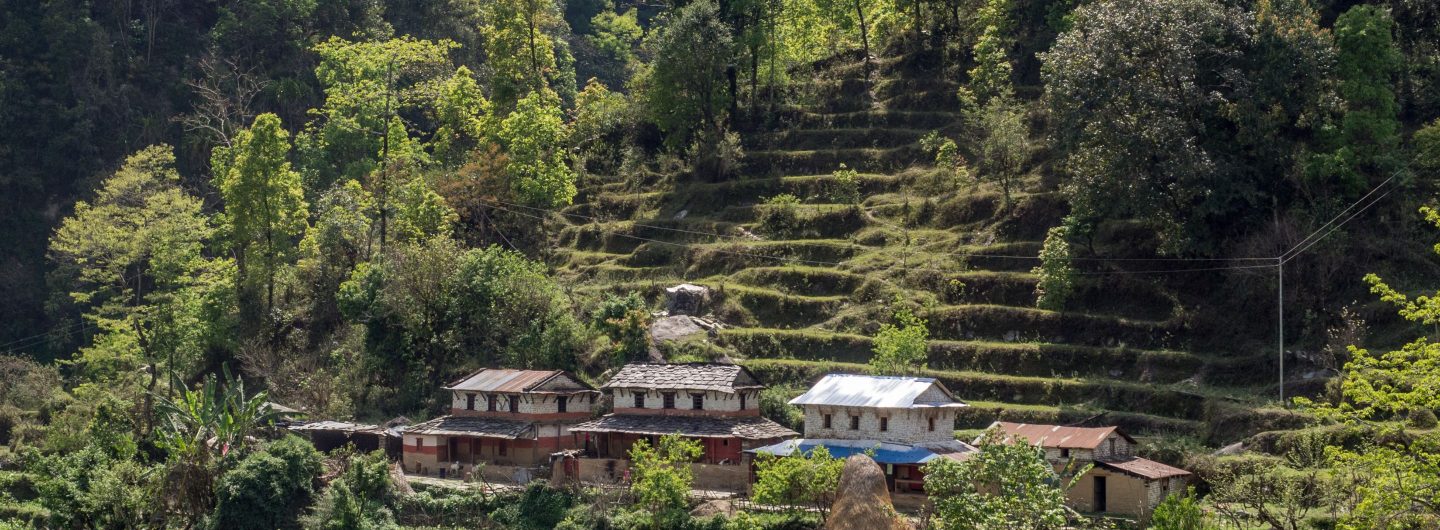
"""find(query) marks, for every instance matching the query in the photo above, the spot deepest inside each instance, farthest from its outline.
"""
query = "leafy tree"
(1427, 149)
(464, 119)
(534, 137)
(267, 487)
(1367, 63)
(807, 480)
(661, 476)
(1005, 485)
(1006, 146)
(626, 321)
(522, 38)
(991, 76)
(1144, 148)
(948, 160)
(844, 186)
(1250, 493)
(1057, 275)
(132, 262)
(902, 349)
(616, 34)
(265, 210)
(683, 87)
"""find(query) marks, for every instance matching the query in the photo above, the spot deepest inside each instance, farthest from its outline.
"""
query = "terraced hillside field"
(805, 298)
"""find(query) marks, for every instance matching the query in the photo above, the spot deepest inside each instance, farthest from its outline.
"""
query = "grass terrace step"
(1103, 393)
(1026, 359)
(577, 258)
(889, 118)
(980, 414)
(1026, 324)
(923, 101)
(778, 308)
(803, 139)
(709, 196)
(619, 206)
(614, 273)
(802, 279)
(827, 160)
(732, 257)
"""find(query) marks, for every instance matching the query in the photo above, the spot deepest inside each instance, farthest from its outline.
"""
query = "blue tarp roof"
(884, 453)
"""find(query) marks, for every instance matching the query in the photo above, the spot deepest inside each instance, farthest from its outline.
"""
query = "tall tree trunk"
(864, 36)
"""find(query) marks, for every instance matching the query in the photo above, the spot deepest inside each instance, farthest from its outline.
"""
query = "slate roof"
(747, 427)
(848, 390)
(1142, 468)
(686, 376)
(476, 426)
(883, 452)
(501, 380)
(1059, 437)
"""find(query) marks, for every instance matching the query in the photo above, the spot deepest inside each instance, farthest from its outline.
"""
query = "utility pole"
(1280, 297)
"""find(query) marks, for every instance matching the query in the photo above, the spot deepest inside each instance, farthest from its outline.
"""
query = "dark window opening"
(884, 424)
(639, 400)
(827, 421)
(697, 401)
(514, 404)
(854, 423)
(469, 401)
(932, 424)
(490, 403)
(1065, 453)
(742, 401)
(560, 403)
(503, 447)
(669, 401)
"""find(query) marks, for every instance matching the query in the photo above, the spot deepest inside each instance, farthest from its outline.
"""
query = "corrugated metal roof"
(684, 376)
(849, 390)
(1142, 468)
(884, 453)
(503, 380)
(1057, 436)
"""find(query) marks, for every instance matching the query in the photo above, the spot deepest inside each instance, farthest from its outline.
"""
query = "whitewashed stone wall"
(529, 403)
(906, 426)
(714, 400)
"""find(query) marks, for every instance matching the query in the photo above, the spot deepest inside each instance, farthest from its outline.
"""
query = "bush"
(1421, 419)
(845, 186)
(779, 215)
(359, 499)
(267, 488)
(539, 508)
(775, 405)
(1057, 277)
(1178, 512)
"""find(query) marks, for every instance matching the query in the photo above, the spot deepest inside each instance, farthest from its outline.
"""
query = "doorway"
(1099, 494)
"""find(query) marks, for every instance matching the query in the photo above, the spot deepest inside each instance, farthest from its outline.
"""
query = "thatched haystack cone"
(861, 501)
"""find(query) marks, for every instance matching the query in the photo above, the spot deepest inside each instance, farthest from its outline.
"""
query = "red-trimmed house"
(716, 404)
(501, 417)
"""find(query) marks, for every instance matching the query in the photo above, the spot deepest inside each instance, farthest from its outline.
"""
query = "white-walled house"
(906, 421)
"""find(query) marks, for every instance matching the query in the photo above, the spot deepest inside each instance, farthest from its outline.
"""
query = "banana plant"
(212, 418)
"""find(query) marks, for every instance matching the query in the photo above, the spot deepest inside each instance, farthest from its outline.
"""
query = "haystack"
(862, 501)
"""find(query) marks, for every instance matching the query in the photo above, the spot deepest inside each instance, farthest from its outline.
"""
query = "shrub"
(662, 476)
(798, 480)
(267, 487)
(901, 349)
(1178, 512)
(1421, 419)
(358, 499)
(779, 214)
(845, 186)
(540, 507)
(775, 405)
(1057, 277)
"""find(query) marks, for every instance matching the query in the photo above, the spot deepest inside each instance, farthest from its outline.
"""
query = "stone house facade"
(1119, 482)
(500, 417)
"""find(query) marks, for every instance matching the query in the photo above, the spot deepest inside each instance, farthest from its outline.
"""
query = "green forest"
(1068, 211)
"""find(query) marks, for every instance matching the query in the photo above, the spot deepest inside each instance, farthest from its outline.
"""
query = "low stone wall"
(613, 471)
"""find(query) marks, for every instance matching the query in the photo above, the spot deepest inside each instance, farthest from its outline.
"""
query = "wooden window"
(639, 400)
(697, 401)
(932, 424)
(514, 404)
(560, 403)
(884, 424)
(469, 401)
(742, 400)
(826, 419)
(490, 402)
(669, 401)
(1064, 453)
(854, 423)
(503, 447)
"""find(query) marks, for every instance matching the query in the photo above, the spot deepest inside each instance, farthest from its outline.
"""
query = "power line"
(1285, 256)
(1284, 259)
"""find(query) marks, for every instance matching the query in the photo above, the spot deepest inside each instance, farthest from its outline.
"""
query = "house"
(1118, 483)
(500, 418)
(906, 421)
(715, 404)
